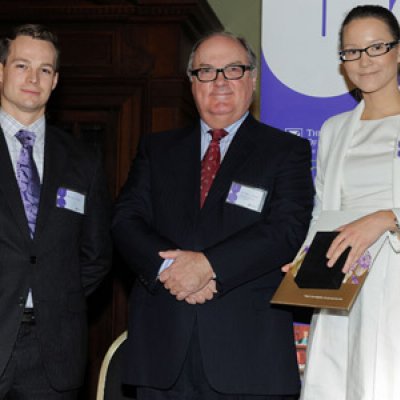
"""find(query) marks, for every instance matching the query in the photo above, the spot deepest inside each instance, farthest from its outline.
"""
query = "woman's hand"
(359, 235)
(286, 267)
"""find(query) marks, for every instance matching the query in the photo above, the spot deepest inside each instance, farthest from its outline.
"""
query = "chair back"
(110, 386)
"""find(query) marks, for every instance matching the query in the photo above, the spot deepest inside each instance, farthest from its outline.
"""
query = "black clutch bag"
(313, 273)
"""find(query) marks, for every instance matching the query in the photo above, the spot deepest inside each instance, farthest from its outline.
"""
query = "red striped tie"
(210, 163)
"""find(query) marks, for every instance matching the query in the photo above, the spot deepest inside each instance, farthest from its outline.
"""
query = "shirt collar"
(231, 129)
(11, 126)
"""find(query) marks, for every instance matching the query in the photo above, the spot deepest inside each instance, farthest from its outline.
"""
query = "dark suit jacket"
(247, 345)
(65, 261)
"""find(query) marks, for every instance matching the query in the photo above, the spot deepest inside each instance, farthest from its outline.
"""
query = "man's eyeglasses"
(230, 72)
(375, 50)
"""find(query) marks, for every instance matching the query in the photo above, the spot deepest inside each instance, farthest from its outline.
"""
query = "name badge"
(71, 200)
(248, 197)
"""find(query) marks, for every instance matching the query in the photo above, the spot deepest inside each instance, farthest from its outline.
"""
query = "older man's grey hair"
(252, 58)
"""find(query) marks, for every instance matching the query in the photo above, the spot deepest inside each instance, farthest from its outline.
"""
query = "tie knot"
(26, 138)
(217, 134)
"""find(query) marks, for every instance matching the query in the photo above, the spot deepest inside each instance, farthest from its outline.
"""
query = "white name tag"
(247, 196)
(71, 200)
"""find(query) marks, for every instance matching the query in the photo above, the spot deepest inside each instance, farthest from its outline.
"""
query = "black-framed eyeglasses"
(230, 72)
(375, 50)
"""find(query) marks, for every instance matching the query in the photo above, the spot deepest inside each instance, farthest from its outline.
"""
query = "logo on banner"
(312, 135)
(295, 131)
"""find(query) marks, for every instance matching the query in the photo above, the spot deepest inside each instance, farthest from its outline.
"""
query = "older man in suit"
(207, 217)
(54, 229)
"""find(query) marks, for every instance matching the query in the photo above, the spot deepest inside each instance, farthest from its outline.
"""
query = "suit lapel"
(55, 160)
(10, 189)
(239, 151)
(186, 160)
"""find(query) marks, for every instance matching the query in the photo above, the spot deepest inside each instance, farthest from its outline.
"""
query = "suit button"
(32, 259)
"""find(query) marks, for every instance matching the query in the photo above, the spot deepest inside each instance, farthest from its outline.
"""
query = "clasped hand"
(189, 277)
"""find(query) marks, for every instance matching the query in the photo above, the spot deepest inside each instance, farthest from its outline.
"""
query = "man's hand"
(189, 273)
(203, 295)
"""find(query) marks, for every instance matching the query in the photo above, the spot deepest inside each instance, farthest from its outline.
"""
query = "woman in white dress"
(356, 355)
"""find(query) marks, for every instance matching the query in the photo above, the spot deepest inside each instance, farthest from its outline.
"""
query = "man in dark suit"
(55, 246)
(207, 244)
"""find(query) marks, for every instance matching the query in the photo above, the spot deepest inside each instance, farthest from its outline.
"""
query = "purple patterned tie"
(28, 178)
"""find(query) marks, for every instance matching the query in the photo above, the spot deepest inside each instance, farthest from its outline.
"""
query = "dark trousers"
(24, 377)
(192, 383)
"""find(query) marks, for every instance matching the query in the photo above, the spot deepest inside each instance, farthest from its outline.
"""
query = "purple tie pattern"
(210, 163)
(28, 178)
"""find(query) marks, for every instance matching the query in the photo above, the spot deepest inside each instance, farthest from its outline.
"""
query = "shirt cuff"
(166, 264)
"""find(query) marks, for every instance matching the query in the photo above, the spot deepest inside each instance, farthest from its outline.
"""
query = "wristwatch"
(397, 223)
